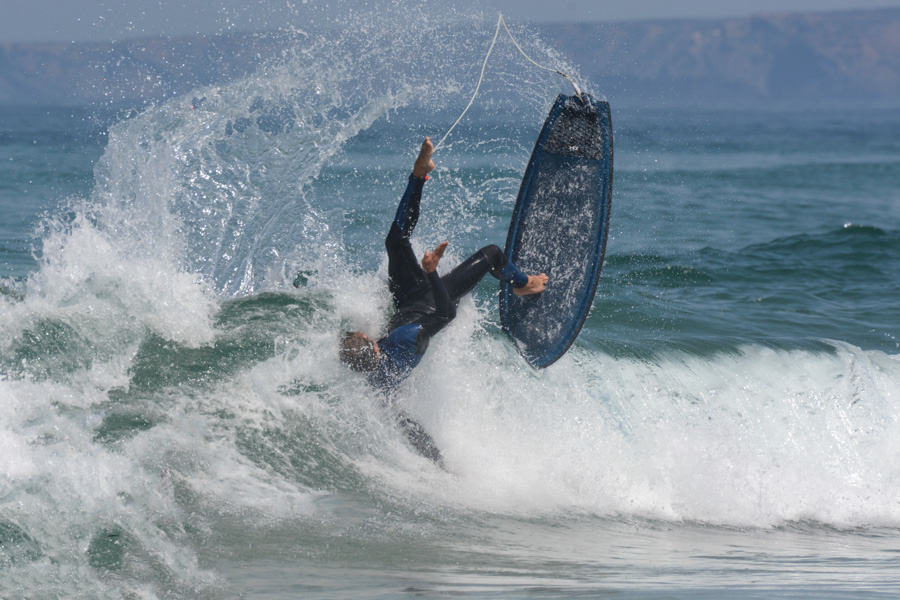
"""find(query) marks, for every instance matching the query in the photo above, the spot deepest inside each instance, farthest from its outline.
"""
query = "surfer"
(424, 301)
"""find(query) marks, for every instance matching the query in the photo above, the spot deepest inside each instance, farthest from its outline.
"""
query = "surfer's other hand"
(536, 284)
(424, 165)
(431, 259)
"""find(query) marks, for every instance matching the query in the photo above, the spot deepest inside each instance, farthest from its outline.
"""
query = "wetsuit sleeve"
(407, 212)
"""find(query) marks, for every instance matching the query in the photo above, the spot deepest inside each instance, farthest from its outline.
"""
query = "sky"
(102, 20)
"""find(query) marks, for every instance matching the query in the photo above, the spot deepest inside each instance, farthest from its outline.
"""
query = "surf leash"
(501, 21)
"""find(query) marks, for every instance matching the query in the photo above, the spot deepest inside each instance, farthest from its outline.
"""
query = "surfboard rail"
(560, 226)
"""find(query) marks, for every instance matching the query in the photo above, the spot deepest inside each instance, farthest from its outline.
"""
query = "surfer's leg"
(407, 214)
(406, 279)
(503, 269)
(490, 259)
(522, 284)
(421, 441)
(405, 276)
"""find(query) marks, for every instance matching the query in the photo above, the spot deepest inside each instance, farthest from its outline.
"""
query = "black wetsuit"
(425, 303)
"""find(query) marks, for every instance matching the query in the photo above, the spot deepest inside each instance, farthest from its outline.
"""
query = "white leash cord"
(484, 66)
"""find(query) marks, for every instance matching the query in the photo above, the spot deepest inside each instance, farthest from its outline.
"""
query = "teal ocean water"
(175, 422)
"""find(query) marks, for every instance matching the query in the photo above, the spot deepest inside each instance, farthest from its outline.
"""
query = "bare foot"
(536, 284)
(424, 165)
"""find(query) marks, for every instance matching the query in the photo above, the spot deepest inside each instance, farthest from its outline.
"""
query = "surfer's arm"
(444, 306)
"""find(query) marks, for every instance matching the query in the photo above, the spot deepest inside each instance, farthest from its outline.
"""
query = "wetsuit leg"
(406, 278)
(490, 259)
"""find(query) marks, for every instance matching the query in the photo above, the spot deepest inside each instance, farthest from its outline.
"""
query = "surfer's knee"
(495, 256)
(502, 268)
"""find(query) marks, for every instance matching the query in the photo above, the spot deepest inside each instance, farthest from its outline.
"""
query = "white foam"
(760, 438)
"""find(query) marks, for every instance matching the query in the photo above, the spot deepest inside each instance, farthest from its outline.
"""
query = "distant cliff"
(808, 58)
(840, 56)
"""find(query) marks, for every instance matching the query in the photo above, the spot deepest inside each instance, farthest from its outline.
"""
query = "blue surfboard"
(559, 227)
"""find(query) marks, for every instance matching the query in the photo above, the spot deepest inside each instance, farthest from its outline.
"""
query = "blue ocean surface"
(175, 422)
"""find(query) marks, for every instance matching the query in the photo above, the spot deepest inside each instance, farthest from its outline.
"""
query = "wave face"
(175, 421)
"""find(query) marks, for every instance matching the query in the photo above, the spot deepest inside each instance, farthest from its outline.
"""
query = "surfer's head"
(359, 351)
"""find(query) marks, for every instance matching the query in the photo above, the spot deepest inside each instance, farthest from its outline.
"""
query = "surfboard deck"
(559, 226)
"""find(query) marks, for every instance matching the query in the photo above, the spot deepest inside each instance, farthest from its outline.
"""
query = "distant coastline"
(804, 58)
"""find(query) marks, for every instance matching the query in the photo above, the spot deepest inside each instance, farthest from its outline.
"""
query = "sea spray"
(225, 178)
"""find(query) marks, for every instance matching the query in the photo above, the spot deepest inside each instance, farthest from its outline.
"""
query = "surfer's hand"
(431, 259)
(424, 165)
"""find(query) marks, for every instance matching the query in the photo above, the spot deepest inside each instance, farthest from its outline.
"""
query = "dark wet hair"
(358, 352)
